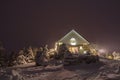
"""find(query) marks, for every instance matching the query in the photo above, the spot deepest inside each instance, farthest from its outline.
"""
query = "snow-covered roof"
(73, 35)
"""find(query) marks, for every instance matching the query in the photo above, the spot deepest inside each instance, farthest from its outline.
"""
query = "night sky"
(40, 22)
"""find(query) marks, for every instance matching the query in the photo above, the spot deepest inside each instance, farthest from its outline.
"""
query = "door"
(73, 50)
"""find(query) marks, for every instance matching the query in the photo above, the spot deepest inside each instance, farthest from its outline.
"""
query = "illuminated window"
(73, 41)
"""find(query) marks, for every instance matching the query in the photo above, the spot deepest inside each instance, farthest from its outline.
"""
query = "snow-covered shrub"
(30, 55)
(12, 58)
(61, 51)
(41, 58)
(116, 55)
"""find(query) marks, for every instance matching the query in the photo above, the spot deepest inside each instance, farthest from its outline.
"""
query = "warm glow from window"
(73, 41)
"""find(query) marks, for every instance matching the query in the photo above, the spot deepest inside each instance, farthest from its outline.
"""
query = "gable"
(73, 37)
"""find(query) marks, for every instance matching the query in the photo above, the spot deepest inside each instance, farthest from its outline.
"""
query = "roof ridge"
(73, 31)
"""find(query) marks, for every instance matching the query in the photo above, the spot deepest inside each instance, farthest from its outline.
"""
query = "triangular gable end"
(73, 34)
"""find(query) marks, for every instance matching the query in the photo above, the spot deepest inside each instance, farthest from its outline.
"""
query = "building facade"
(75, 43)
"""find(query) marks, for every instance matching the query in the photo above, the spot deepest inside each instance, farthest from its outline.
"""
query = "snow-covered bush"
(116, 55)
(61, 51)
(41, 58)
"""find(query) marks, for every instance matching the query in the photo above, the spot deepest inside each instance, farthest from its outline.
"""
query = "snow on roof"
(73, 34)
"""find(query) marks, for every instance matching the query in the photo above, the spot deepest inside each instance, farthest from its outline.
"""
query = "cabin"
(75, 43)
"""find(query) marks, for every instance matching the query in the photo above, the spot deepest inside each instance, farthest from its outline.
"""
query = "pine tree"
(2, 55)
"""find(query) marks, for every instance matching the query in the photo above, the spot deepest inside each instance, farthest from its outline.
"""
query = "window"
(73, 41)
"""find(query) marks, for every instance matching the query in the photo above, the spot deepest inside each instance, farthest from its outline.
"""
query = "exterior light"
(81, 48)
(60, 43)
(102, 51)
(110, 57)
(85, 52)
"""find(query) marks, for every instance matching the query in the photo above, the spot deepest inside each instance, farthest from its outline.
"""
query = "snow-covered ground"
(104, 70)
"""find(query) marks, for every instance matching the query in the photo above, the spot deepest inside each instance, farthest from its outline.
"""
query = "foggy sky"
(40, 22)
